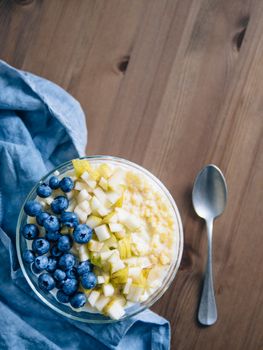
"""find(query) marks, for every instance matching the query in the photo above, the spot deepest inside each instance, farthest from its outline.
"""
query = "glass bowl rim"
(173, 268)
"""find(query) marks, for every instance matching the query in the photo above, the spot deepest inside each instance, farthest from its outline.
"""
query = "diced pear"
(116, 179)
(112, 217)
(127, 286)
(85, 206)
(144, 297)
(95, 259)
(82, 215)
(120, 234)
(70, 194)
(103, 183)
(98, 207)
(83, 252)
(108, 290)
(72, 205)
(101, 302)
(102, 232)
(114, 227)
(110, 243)
(93, 297)
(79, 185)
(83, 195)
(100, 279)
(95, 246)
(102, 197)
(124, 248)
(116, 263)
(31, 220)
(135, 271)
(105, 171)
(128, 219)
(81, 165)
(120, 276)
(93, 221)
(114, 310)
(106, 255)
(48, 200)
(113, 196)
(135, 292)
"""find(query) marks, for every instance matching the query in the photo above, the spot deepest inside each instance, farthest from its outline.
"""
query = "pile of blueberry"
(50, 255)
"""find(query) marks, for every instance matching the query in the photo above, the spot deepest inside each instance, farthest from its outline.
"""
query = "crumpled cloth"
(42, 126)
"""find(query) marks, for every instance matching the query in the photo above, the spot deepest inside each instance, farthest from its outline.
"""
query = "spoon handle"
(207, 313)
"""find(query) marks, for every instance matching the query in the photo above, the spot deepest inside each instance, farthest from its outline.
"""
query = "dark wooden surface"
(172, 85)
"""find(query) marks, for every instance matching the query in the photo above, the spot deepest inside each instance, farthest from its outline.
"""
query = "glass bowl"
(89, 317)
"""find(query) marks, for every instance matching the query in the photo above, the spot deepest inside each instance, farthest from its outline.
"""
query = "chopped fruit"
(84, 205)
(98, 207)
(93, 297)
(114, 310)
(116, 263)
(113, 197)
(135, 272)
(108, 290)
(83, 252)
(102, 197)
(129, 220)
(135, 292)
(110, 243)
(125, 248)
(106, 255)
(93, 221)
(116, 227)
(112, 217)
(102, 232)
(101, 279)
(83, 195)
(95, 246)
(116, 179)
(103, 183)
(80, 185)
(127, 286)
(105, 171)
(120, 276)
(101, 302)
(82, 215)
(80, 166)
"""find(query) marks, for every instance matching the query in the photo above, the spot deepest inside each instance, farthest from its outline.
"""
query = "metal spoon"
(209, 199)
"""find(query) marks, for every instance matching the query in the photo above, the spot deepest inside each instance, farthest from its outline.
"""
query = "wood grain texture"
(172, 85)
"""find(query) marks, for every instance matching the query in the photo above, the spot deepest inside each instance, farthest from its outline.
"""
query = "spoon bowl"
(210, 192)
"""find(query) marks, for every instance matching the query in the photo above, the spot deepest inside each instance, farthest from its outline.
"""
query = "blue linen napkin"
(42, 126)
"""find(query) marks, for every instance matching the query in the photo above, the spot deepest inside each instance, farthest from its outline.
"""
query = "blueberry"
(28, 256)
(55, 251)
(65, 243)
(59, 284)
(66, 184)
(40, 246)
(78, 300)
(41, 262)
(59, 275)
(84, 267)
(44, 190)
(69, 219)
(30, 231)
(52, 224)
(89, 280)
(59, 204)
(46, 282)
(52, 264)
(67, 261)
(82, 233)
(72, 273)
(54, 182)
(41, 217)
(32, 208)
(35, 269)
(62, 297)
(70, 286)
(52, 236)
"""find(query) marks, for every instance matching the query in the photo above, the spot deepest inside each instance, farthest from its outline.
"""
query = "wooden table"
(172, 85)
